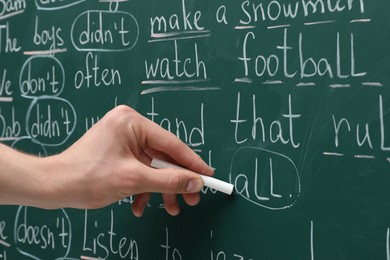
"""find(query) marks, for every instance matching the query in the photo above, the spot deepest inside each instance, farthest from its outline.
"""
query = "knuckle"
(123, 109)
(176, 183)
(120, 114)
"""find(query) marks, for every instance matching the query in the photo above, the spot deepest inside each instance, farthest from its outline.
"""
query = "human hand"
(112, 161)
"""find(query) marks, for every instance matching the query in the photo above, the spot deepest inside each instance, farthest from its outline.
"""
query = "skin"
(109, 162)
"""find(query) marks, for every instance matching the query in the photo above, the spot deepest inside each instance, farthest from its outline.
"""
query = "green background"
(307, 149)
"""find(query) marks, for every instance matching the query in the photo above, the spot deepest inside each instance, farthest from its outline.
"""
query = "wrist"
(22, 178)
(50, 175)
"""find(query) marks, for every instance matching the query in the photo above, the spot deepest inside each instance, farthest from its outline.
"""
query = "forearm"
(52, 182)
(24, 179)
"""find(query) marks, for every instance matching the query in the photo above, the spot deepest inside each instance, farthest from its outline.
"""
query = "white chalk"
(210, 182)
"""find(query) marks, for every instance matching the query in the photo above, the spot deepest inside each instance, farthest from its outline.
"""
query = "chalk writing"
(223, 255)
(188, 69)
(35, 81)
(193, 136)
(105, 243)
(10, 126)
(95, 76)
(185, 21)
(56, 4)
(311, 240)
(388, 244)
(276, 64)
(49, 236)
(104, 31)
(253, 12)
(50, 121)
(3, 236)
(262, 181)
(5, 85)
(3, 241)
(170, 253)
(362, 131)
(273, 133)
(10, 8)
(52, 37)
(8, 44)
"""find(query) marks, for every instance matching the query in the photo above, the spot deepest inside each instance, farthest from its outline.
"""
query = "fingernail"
(194, 185)
(210, 170)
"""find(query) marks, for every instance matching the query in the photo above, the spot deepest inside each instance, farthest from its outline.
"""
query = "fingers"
(139, 204)
(191, 199)
(164, 141)
(171, 204)
(171, 181)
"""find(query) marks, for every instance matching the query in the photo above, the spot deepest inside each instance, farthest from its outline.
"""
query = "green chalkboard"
(287, 100)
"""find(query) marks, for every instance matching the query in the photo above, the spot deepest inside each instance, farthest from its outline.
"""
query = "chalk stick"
(210, 182)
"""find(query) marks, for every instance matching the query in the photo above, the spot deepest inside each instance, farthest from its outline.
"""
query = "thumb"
(173, 181)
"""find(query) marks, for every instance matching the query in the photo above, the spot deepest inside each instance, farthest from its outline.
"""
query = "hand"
(112, 161)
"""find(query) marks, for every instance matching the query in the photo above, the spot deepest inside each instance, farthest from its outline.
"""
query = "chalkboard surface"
(287, 100)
